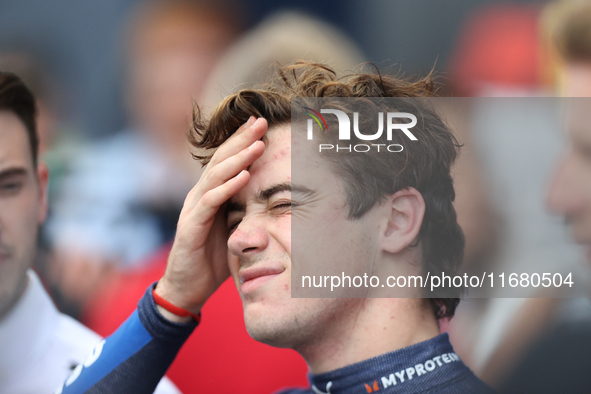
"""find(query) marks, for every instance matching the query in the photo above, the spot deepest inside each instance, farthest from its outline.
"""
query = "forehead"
(275, 166)
(14, 143)
(289, 160)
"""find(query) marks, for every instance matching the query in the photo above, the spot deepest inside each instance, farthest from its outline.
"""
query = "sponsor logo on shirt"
(316, 390)
(409, 373)
(373, 388)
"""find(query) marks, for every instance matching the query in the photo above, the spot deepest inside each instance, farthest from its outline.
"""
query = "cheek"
(331, 225)
(19, 216)
(233, 264)
(282, 232)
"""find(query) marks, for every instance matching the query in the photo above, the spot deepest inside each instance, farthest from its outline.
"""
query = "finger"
(230, 167)
(240, 130)
(246, 125)
(257, 129)
(209, 204)
(237, 143)
(225, 171)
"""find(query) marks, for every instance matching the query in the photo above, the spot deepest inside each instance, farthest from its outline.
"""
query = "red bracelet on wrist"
(173, 308)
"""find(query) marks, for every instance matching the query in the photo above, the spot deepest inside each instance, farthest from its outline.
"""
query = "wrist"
(173, 294)
(172, 311)
(172, 317)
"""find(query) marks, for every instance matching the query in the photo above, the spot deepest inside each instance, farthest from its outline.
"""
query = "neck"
(378, 326)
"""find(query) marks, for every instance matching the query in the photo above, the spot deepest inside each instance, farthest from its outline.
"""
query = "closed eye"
(282, 205)
(10, 187)
(234, 225)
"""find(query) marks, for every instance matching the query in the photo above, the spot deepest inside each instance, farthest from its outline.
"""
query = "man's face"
(171, 62)
(22, 208)
(570, 190)
(260, 219)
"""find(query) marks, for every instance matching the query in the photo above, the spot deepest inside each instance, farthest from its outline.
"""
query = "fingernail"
(252, 145)
(250, 121)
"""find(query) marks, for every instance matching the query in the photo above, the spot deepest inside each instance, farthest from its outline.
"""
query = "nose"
(566, 196)
(249, 238)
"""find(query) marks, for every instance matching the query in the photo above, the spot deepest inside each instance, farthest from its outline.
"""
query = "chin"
(270, 335)
(271, 327)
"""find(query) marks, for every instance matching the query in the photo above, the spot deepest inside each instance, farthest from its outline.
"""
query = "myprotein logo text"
(412, 372)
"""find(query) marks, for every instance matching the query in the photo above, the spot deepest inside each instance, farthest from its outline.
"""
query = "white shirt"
(39, 346)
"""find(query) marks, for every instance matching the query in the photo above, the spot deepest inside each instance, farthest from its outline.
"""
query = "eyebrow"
(11, 172)
(265, 195)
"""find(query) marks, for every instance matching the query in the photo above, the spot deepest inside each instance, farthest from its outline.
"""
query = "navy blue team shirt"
(137, 355)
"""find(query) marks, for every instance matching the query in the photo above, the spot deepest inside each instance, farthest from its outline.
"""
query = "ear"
(406, 209)
(42, 181)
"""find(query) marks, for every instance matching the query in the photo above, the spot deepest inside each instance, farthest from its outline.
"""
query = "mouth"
(252, 278)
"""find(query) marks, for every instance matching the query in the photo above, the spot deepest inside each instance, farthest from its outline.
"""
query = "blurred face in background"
(23, 207)
(570, 190)
(577, 79)
(172, 52)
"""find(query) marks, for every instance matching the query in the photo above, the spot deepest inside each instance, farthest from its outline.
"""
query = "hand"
(198, 264)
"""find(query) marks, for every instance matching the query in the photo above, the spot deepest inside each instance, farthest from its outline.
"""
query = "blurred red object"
(220, 356)
(498, 46)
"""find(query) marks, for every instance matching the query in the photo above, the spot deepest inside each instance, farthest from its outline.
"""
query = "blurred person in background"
(559, 361)
(499, 54)
(59, 142)
(122, 199)
(40, 346)
(222, 342)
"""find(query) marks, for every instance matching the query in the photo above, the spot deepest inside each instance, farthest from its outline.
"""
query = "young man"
(237, 221)
(40, 346)
(565, 350)
(570, 191)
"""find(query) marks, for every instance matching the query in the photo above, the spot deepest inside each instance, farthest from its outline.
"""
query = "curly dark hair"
(425, 164)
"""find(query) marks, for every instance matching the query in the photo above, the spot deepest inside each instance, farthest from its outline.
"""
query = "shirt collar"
(416, 368)
(27, 329)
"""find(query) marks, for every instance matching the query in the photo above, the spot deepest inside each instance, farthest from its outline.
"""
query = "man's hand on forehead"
(250, 132)
(197, 264)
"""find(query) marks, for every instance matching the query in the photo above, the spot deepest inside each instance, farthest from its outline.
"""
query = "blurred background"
(116, 80)
(81, 46)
